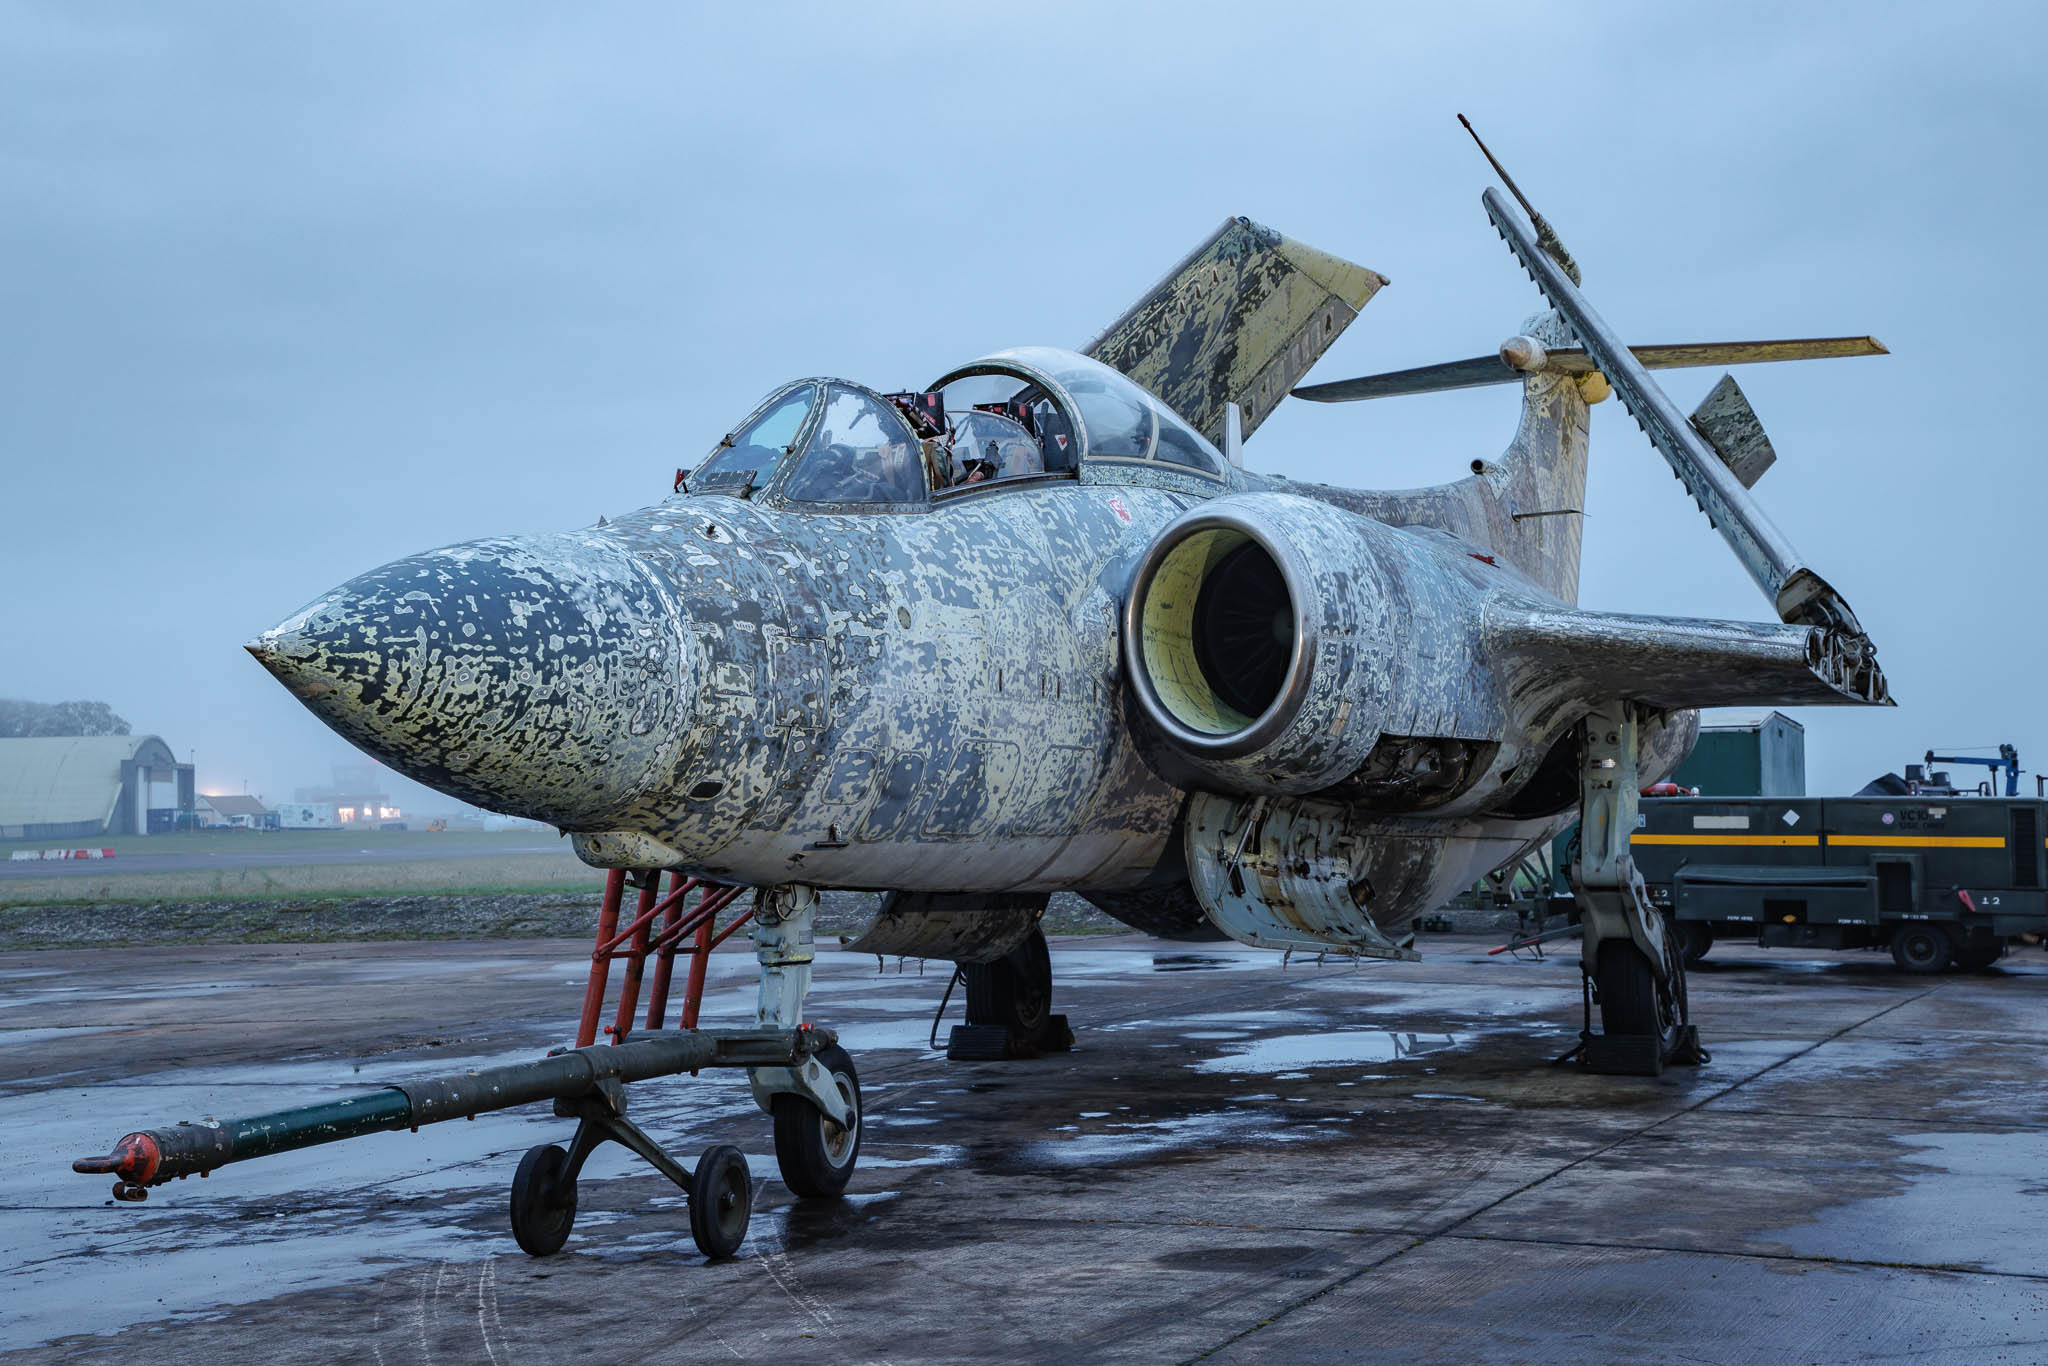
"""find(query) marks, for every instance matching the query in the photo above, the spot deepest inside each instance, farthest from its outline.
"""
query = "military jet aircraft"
(1033, 627)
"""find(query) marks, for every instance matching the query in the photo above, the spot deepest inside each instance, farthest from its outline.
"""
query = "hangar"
(81, 786)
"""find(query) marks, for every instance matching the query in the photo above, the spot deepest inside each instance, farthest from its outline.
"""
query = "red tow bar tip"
(133, 1163)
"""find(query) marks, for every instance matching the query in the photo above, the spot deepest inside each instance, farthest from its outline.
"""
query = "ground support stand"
(1631, 961)
(692, 934)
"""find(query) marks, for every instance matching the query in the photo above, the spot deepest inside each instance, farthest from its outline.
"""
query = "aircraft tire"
(1922, 949)
(1630, 1003)
(541, 1216)
(721, 1201)
(815, 1155)
(1015, 991)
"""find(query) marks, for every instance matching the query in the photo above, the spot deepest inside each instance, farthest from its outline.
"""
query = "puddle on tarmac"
(861, 1036)
(1970, 1199)
(75, 998)
(1118, 1144)
(15, 1038)
(1237, 1021)
(1290, 1052)
(1192, 962)
(1073, 963)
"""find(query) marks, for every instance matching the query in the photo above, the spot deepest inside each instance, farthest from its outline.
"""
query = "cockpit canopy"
(1118, 419)
(1029, 412)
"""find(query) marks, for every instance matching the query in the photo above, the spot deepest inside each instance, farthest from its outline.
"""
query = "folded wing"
(1240, 320)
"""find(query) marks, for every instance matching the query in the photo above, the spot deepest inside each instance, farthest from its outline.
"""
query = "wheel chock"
(1623, 1055)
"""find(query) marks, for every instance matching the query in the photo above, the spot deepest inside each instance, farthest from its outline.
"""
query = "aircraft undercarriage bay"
(1031, 628)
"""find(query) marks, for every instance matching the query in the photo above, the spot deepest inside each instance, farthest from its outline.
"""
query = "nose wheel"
(817, 1155)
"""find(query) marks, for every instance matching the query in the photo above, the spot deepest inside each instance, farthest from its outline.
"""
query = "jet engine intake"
(1261, 639)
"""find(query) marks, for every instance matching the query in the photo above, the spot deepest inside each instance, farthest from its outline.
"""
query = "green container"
(1761, 756)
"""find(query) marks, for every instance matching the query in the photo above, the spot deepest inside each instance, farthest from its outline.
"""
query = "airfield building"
(239, 812)
(83, 786)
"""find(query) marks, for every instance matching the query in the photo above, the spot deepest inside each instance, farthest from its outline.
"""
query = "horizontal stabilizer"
(1730, 426)
(1240, 320)
(1484, 370)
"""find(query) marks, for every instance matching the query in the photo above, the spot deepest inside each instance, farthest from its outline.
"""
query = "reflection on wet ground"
(1328, 1048)
(1293, 1126)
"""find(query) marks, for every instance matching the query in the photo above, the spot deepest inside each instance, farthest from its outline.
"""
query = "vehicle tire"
(1979, 954)
(1629, 1000)
(542, 1211)
(817, 1156)
(1922, 948)
(1695, 939)
(1015, 991)
(721, 1201)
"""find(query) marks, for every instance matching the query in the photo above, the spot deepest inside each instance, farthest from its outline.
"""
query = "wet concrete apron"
(1240, 1162)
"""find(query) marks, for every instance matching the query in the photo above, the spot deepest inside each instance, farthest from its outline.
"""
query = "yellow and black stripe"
(1839, 841)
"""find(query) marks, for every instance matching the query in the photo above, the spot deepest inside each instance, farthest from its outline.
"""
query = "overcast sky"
(291, 290)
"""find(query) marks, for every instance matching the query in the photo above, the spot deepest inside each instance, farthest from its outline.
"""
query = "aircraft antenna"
(1546, 236)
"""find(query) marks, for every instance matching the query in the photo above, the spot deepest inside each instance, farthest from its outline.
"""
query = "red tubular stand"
(637, 940)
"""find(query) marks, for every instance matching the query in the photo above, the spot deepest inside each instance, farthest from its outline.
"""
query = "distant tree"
(22, 718)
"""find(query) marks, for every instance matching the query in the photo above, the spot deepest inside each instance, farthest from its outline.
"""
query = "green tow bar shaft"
(154, 1156)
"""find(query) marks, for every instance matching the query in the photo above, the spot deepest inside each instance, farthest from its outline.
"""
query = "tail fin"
(1527, 507)
(1240, 320)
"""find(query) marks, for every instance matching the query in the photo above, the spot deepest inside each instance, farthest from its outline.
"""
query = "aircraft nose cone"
(541, 677)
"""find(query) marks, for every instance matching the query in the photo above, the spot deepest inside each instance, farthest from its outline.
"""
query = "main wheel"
(1015, 991)
(721, 1201)
(543, 1208)
(1695, 939)
(816, 1155)
(1922, 949)
(1979, 954)
(1630, 1001)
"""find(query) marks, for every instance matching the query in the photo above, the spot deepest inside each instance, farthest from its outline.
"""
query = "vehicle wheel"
(1980, 954)
(721, 1201)
(1015, 991)
(1695, 939)
(1922, 949)
(817, 1156)
(543, 1209)
(1630, 1002)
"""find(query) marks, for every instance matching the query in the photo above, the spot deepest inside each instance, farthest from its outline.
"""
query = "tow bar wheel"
(721, 1200)
(815, 1154)
(543, 1206)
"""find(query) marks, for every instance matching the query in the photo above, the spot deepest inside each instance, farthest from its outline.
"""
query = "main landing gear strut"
(1632, 963)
